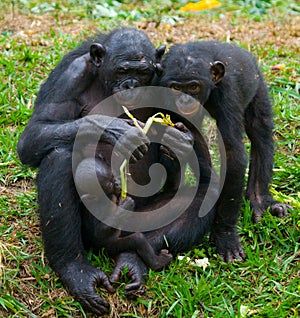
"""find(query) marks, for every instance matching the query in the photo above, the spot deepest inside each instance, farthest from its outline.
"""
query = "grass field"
(34, 37)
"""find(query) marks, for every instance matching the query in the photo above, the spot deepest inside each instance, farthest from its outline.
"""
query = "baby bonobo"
(111, 238)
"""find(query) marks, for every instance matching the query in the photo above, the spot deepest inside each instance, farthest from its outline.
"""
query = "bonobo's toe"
(280, 209)
(134, 289)
(164, 258)
(257, 215)
(276, 208)
(228, 246)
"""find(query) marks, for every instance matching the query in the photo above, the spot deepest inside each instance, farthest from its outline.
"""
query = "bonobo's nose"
(130, 83)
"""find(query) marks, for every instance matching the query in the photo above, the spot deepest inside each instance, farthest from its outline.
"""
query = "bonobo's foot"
(137, 273)
(276, 208)
(228, 245)
(81, 278)
(163, 259)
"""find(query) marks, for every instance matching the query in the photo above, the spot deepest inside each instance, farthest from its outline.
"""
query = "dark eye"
(177, 87)
(194, 88)
(122, 70)
(144, 73)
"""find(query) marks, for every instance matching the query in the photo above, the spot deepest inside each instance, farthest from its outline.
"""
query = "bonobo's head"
(191, 72)
(126, 60)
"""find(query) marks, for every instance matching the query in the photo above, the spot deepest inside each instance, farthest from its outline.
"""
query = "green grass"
(267, 284)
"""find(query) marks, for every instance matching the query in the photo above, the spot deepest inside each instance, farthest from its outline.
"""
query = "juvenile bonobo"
(226, 80)
(121, 60)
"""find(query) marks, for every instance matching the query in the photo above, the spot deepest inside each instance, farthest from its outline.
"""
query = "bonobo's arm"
(40, 137)
(224, 230)
(56, 118)
(177, 144)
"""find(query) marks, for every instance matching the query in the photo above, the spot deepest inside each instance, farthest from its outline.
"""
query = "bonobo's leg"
(179, 236)
(59, 207)
(138, 242)
(224, 231)
(259, 128)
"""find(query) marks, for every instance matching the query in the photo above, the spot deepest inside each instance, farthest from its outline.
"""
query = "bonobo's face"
(192, 75)
(128, 60)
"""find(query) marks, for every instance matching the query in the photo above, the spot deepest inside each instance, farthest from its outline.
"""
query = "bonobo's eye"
(194, 88)
(145, 72)
(122, 70)
(175, 86)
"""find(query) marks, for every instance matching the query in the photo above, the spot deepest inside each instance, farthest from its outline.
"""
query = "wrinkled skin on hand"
(93, 126)
(178, 138)
(81, 278)
(136, 271)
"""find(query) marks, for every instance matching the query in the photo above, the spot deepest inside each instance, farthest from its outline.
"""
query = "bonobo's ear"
(217, 71)
(97, 51)
(159, 53)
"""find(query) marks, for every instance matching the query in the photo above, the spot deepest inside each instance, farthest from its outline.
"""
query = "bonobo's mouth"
(128, 97)
(187, 105)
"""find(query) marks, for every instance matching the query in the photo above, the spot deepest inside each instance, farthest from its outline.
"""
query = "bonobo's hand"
(81, 278)
(177, 138)
(134, 143)
(137, 272)
(228, 245)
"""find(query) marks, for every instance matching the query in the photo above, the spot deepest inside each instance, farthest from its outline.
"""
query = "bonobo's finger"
(181, 127)
(102, 279)
(131, 123)
(95, 304)
(137, 272)
(137, 285)
(179, 147)
(138, 153)
(117, 272)
(134, 144)
(84, 290)
(134, 289)
(178, 138)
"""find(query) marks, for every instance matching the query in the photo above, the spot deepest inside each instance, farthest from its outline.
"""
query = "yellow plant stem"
(163, 120)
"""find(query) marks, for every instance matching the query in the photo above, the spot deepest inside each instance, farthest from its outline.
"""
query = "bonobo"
(121, 60)
(109, 237)
(226, 80)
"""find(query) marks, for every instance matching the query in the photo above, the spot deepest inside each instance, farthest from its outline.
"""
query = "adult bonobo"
(226, 80)
(121, 60)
